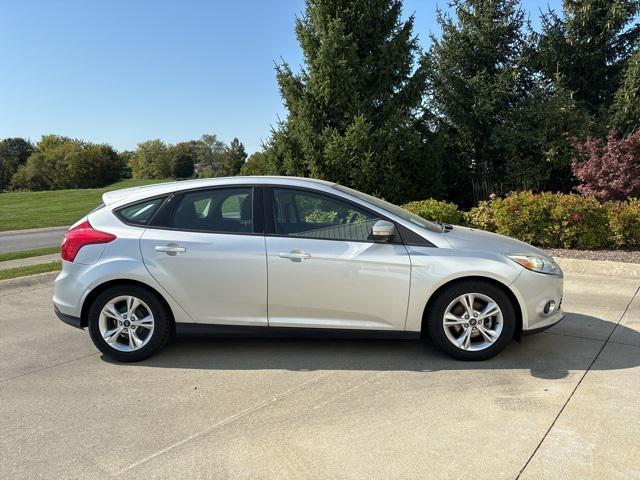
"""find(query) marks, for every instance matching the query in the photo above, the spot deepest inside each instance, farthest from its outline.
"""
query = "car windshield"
(390, 207)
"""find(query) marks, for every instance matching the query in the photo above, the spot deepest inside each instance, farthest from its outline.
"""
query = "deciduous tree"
(13, 153)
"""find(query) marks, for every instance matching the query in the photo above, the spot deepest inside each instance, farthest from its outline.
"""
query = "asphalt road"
(563, 404)
(30, 239)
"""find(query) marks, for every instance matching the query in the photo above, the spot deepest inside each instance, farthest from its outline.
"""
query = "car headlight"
(536, 263)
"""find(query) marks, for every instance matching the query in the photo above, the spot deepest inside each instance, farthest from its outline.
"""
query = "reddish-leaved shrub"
(611, 170)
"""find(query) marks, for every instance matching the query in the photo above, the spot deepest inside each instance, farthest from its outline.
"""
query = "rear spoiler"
(116, 195)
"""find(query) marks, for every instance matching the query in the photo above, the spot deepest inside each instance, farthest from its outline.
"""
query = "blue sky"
(122, 72)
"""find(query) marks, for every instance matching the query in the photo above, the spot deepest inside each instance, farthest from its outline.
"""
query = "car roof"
(138, 193)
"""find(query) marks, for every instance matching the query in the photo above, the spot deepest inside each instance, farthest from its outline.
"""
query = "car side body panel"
(343, 284)
(434, 267)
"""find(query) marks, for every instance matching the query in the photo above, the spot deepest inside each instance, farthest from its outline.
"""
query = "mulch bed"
(627, 256)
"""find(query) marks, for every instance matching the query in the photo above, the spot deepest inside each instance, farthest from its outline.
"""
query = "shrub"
(525, 216)
(436, 210)
(609, 171)
(624, 223)
(482, 216)
(580, 221)
(546, 219)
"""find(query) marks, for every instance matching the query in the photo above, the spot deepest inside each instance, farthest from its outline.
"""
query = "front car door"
(324, 270)
(210, 255)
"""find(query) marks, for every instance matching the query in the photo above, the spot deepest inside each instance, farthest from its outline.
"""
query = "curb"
(28, 281)
(574, 266)
(27, 262)
(9, 233)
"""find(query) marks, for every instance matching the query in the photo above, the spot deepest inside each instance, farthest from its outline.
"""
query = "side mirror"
(383, 231)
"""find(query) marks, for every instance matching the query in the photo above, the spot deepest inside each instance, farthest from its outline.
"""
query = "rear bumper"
(68, 319)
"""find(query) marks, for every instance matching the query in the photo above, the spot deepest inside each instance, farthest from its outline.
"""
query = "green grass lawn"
(30, 270)
(20, 210)
(28, 253)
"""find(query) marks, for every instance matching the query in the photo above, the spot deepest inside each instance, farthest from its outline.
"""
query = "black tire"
(162, 322)
(435, 315)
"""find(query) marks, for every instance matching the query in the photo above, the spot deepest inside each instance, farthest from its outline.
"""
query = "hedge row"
(547, 219)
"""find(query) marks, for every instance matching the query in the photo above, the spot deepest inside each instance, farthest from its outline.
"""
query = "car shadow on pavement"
(571, 345)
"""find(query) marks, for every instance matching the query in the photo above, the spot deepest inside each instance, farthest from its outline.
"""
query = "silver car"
(284, 255)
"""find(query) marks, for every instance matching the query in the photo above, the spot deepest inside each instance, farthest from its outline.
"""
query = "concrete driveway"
(563, 404)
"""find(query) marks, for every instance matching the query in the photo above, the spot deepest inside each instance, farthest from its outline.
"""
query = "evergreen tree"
(477, 76)
(233, 158)
(353, 106)
(625, 112)
(502, 125)
(587, 49)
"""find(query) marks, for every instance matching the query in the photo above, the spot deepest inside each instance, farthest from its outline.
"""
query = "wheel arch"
(514, 300)
(98, 289)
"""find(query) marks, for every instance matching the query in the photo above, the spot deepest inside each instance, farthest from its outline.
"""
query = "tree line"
(491, 106)
(57, 162)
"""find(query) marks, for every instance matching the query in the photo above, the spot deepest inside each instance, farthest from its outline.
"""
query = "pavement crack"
(227, 421)
(604, 344)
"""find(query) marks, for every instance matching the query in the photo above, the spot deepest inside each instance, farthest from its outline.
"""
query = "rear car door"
(207, 250)
(325, 271)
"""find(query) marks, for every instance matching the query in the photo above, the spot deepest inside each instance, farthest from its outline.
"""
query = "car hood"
(465, 238)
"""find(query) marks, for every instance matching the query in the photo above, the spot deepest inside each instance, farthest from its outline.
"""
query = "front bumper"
(534, 290)
(533, 331)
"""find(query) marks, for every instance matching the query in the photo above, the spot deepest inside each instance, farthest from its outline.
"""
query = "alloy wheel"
(473, 322)
(126, 323)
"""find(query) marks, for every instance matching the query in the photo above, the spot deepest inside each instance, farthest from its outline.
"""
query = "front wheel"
(128, 323)
(471, 320)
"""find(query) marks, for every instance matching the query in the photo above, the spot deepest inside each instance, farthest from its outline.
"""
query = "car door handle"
(172, 248)
(295, 255)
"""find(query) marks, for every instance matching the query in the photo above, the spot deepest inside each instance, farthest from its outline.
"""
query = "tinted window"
(140, 213)
(305, 214)
(216, 210)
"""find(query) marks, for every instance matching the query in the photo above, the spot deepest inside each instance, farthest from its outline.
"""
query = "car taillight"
(79, 236)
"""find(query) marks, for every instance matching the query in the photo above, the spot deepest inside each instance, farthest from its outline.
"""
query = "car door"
(209, 255)
(324, 271)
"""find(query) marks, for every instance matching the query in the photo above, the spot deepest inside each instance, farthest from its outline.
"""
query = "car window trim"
(269, 215)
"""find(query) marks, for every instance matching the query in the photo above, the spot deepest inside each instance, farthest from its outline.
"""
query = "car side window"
(302, 213)
(139, 213)
(218, 210)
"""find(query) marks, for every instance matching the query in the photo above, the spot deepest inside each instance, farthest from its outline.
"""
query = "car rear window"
(140, 213)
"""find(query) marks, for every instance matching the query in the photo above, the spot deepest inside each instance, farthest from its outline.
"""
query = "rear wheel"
(471, 320)
(128, 323)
